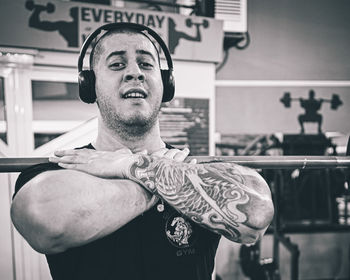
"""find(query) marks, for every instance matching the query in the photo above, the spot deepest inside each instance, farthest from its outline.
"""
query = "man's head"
(312, 94)
(128, 85)
(86, 78)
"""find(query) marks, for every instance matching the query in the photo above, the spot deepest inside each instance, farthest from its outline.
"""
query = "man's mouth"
(134, 93)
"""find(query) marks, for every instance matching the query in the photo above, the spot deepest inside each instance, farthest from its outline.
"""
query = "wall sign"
(63, 26)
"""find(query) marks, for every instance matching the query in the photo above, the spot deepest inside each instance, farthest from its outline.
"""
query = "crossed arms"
(225, 198)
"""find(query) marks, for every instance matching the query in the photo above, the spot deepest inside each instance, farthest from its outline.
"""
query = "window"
(57, 109)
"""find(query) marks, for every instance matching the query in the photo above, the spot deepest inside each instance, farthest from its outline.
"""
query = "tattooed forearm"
(226, 198)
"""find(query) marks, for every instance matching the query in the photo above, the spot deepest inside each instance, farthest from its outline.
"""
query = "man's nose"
(134, 72)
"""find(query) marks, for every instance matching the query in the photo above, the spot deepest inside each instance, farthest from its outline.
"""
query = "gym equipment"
(306, 144)
(190, 23)
(335, 101)
(286, 99)
(30, 5)
(259, 162)
(254, 267)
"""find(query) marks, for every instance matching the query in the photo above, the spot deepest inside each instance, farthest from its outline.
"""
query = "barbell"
(258, 162)
(335, 101)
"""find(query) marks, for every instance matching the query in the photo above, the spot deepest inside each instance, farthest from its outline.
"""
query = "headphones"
(86, 78)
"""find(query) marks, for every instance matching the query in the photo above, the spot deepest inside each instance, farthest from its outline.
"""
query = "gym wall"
(303, 43)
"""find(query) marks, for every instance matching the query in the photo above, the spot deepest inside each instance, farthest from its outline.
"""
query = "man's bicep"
(31, 172)
(36, 189)
(63, 184)
(27, 217)
(66, 206)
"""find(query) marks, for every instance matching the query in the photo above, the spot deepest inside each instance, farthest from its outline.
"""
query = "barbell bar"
(18, 164)
(335, 101)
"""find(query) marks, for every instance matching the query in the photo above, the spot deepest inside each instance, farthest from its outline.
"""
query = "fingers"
(142, 152)
(62, 153)
(181, 155)
(71, 152)
(68, 162)
(104, 164)
(68, 159)
(174, 154)
(160, 153)
(72, 156)
(68, 165)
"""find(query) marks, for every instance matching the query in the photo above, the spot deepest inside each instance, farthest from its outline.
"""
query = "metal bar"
(259, 162)
(19, 164)
(282, 162)
(276, 185)
(294, 250)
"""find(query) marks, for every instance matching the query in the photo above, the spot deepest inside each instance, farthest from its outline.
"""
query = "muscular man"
(128, 206)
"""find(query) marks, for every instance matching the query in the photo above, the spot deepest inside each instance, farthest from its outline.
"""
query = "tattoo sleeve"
(226, 198)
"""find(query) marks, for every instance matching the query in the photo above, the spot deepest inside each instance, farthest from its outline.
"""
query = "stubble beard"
(134, 127)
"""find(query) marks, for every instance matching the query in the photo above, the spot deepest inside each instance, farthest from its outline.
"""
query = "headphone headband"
(121, 25)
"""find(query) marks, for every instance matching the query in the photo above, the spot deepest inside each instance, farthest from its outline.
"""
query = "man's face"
(129, 88)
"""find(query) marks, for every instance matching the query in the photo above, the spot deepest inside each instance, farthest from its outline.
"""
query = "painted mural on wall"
(64, 26)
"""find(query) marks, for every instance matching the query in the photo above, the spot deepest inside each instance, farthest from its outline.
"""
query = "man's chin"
(137, 118)
(135, 126)
(136, 122)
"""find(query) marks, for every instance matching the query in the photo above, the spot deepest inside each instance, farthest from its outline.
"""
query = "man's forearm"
(229, 199)
(61, 209)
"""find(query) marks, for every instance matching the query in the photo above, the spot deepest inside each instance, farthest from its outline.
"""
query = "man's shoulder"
(32, 171)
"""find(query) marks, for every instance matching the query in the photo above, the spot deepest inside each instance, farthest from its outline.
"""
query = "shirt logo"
(178, 231)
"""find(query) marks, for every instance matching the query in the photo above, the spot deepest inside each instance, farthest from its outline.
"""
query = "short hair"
(96, 47)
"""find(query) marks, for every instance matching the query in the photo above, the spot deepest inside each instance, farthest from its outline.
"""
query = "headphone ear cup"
(168, 85)
(86, 81)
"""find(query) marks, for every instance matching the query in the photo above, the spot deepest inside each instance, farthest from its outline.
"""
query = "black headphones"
(86, 78)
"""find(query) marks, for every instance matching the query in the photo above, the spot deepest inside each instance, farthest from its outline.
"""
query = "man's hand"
(175, 154)
(107, 164)
(104, 164)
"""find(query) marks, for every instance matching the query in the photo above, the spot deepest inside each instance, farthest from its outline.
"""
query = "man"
(128, 206)
(311, 106)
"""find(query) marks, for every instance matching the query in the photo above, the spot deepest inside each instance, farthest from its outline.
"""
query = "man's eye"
(116, 65)
(146, 65)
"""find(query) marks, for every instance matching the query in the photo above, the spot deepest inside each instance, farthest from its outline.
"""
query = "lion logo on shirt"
(179, 231)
